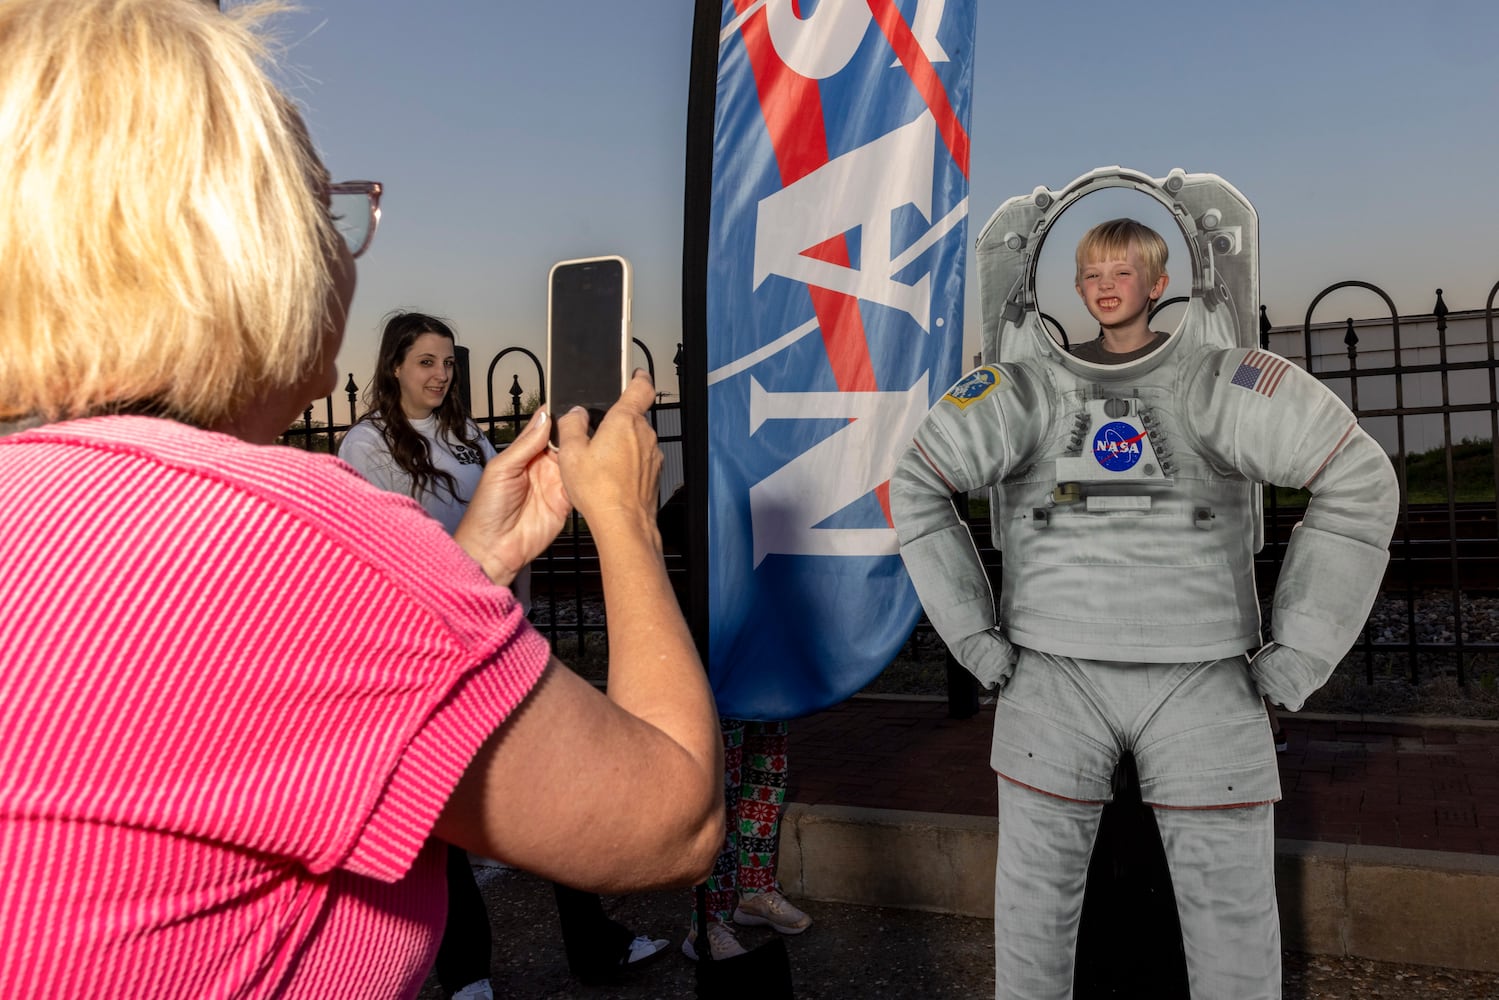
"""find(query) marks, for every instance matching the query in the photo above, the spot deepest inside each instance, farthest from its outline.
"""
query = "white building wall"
(1468, 340)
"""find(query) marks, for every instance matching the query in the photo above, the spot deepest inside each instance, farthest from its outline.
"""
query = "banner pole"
(702, 95)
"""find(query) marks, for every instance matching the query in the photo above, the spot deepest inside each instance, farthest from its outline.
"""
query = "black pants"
(463, 955)
(1129, 939)
(596, 946)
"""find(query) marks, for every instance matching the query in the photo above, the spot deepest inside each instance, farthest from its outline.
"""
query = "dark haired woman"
(415, 438)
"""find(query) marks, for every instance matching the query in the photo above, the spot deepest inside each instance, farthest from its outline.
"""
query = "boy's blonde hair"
(1111, 240)
(162, 245)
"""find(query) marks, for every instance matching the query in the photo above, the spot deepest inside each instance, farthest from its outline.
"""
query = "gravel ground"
(860, 951)
(1436, 691)
(1389, 621)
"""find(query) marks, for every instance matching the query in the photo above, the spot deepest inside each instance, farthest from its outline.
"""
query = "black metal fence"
(1431, 399)
(566, 586)
(1439, 607)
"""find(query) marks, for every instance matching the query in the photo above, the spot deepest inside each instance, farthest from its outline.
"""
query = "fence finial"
(1264, 330)
(352, 388)
(1351, 339)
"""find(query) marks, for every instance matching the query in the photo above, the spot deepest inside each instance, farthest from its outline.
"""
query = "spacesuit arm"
(970, 439)
(1273, 422)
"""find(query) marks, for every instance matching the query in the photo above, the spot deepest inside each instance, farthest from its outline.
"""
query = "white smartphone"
(588, 336)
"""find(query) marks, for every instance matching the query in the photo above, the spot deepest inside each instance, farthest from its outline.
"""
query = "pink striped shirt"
(237, 685)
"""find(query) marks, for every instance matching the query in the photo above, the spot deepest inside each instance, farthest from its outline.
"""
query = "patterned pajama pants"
(754, 755)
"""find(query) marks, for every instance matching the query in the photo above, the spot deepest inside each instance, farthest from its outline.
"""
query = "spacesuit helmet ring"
(1221, 232)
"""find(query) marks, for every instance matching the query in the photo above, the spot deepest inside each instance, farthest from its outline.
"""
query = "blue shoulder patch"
(973, 387)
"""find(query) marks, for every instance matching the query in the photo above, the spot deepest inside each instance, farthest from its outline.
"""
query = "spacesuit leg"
(1223, 872)
(1042, 866)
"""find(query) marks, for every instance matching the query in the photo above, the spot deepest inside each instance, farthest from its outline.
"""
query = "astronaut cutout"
(1125, 498)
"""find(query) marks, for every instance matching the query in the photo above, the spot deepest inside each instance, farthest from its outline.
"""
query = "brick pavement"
(1427, 784)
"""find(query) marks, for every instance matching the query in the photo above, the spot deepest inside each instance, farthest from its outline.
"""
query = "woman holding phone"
(258, 694)
(416, 438)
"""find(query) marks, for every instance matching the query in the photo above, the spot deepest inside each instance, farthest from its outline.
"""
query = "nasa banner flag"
(836, 236)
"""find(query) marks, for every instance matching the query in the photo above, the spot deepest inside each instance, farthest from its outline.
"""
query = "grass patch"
(1472, 473)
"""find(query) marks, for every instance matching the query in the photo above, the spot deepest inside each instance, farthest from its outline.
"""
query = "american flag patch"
(1261, 372)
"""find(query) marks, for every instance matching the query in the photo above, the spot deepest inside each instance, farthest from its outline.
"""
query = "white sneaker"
(771, 909)
(721, 942)
(479, 989)
(643, 949)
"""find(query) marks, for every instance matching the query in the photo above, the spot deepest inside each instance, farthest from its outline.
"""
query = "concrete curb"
(1380, 903)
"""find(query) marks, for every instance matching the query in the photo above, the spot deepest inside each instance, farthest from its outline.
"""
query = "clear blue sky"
(512, 134)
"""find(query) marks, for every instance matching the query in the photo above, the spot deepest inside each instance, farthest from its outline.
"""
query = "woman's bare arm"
(608, 792)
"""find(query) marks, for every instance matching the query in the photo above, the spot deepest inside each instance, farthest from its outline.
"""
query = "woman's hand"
(518, 507)
(613, 477)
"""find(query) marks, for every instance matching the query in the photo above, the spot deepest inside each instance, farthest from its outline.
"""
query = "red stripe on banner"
(843, 337)
(882, 494)
(790, 102)
(923, 77)
(792, 106)
(834, 250)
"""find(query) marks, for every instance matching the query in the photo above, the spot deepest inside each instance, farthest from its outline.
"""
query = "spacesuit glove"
(987, 655)
(1287, 676)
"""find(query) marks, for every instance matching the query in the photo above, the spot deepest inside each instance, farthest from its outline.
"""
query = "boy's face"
(1118, 291)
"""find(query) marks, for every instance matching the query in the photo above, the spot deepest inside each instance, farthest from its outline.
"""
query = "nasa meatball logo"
(1117, 446)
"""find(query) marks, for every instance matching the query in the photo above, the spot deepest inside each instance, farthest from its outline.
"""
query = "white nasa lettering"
(857, 190)
(1118, 447)
(924, 25)
(821, 44)
(787, 505)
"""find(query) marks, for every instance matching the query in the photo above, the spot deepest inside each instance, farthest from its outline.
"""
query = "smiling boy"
(1121, 274)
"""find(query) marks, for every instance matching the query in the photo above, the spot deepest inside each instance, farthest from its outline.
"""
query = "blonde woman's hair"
(163, 247)
(1111, 241)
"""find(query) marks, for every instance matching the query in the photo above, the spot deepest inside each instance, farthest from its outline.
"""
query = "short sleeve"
(365, 449)
(316, 662)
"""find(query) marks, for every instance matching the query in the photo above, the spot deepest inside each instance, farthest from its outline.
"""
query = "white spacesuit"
(1125, 500)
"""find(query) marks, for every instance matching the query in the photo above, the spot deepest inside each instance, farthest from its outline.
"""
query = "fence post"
(541, 382)
(352, 388)
(516, 392)
(1439, 310)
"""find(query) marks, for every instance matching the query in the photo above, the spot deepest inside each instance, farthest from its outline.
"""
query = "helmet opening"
(1062, 313)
